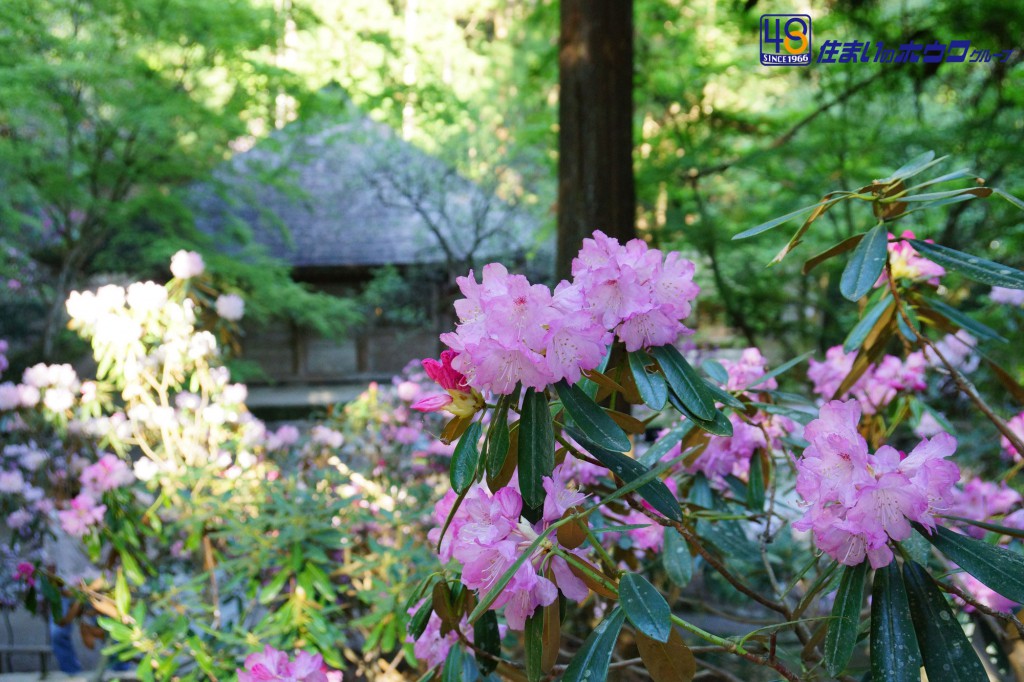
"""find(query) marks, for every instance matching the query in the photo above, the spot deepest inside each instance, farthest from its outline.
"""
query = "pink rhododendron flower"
(907, 263)
(630, 289)
(1016, 425)
(271, 665)
(109, 473)
(459, 399)
(983, 594)
(957, 349)
(230, 307)
(432, 647)
(877, 387)
(1007, 296)
(187, 264)
(486, 537)
(980, 501)
(749, 368)
(81, 515)
(859, 501)
(326, 436)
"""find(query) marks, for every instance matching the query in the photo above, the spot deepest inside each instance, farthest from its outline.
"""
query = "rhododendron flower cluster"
(877, 387)
(109, 473)
(272, 665)
(513, 331)
(487, 535)
(981, 500)
(859, 501)
(907, 263)
(81, 515)
(957, 349)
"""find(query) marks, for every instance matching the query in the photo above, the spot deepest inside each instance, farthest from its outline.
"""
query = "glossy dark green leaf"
(895, 655)
(644, 606)
(775, 222)
(724, 397)
(419, 620)
(591, 420)
(715, 370)
(861, 330)
(998, 568)
(832, 252)
(913, 167)
(650, 385)
(534, 645)
(842, 628)
(453, 668)
(628, 469)
(974, 267)
(676, 559)
(684, 381)
(498, 439)
(945, 649)
(784, 367)
(719, 425)
(465, 459)
(668, 441)
(536, 447)
(964, 321)
(755, 484)
(590, 664)
(487, 639)
(865, 264)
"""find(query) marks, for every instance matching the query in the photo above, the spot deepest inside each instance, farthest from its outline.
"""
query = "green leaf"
(946, 651)
(419, 620)
(726, 398)
(628, 469)
(590, 664)
(842, 629)
(1009, 197)
(534, 645)
(684, 381)
(998, 568)
(593, 422)
(973, 267)
(895, 655)
(831, 252)
(452, 671)
(861, 330)
(487, 639)
(775, 222)
(666, 443)
(675, 557)
(273, 588)
(913, 167)
(714, 369)
(784, 367)
(465, 459)
(498, 439)
(122, 597)
(650, 385)
(644, 606)
(865, 265)
(755, 483)
(963, 321)
(718, 425)
(536, 447)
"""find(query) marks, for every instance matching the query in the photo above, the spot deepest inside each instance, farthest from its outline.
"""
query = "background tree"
(595, 125)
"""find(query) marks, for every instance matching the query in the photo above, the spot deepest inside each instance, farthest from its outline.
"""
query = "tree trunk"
(595, 119)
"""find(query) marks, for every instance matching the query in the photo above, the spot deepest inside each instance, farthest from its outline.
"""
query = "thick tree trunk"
(595, 118)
